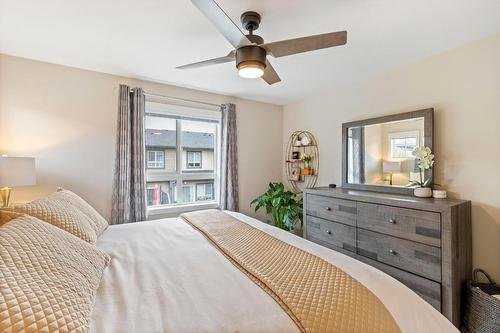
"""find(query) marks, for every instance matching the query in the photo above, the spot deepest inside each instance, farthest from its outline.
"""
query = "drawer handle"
(328, 208)
(392, 252)
(392, 221)
(329, 232)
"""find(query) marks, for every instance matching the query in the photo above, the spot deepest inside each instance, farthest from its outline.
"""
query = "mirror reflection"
(382, 154)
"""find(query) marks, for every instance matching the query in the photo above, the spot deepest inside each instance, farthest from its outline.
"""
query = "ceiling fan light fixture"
(251, 69)
(250, 51)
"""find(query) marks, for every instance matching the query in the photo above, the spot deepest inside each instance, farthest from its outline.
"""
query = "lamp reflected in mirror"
(391, 168)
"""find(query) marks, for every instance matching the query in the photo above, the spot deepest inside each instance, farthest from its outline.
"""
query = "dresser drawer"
(331, 234)
(429, 290)
(416, 225)
(343, 211)
(414, 257)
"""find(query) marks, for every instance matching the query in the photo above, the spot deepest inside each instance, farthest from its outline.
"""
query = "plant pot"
(298, 231)
(422, 192)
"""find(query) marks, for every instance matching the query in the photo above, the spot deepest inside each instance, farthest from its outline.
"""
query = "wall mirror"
(377, 152)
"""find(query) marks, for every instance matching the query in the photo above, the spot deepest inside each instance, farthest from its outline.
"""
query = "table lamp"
(15, 172)
(390, 168)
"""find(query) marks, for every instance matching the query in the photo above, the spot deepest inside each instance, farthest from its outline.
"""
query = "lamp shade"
(17, 171)
(391, 167)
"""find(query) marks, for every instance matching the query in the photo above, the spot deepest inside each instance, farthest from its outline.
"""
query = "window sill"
(159, 212)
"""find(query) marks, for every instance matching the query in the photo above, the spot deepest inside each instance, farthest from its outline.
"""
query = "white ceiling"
(149, 38)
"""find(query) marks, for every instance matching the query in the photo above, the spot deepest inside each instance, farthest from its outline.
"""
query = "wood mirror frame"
(427, 114)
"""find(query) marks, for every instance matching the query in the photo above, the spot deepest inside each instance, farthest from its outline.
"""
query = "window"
(182, 156)
(204, 192)
(193, 159)
(403, 144)
(156, 159)
(186, 194)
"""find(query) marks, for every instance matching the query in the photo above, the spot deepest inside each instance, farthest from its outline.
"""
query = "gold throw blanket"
(318, 296)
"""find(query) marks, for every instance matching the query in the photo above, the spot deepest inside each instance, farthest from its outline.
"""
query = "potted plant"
(285, 207)
(425, 161)
(307, 158)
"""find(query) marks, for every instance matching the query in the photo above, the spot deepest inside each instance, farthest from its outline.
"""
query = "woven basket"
(482, 311)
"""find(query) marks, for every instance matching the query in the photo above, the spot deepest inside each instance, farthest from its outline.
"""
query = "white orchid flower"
(424, 155)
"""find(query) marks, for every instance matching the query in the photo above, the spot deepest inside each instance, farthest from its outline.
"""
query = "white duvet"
(165, 276)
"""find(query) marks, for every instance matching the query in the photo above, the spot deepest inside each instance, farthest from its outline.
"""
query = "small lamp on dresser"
(15, 172)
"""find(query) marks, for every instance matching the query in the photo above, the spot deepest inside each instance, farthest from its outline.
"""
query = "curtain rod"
(178, 99)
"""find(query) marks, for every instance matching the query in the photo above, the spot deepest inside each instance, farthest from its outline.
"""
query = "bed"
(165, 276)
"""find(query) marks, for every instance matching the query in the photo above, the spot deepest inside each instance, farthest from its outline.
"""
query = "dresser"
(424, 243)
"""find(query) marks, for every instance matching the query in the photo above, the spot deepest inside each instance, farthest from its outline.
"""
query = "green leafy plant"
(285, 207)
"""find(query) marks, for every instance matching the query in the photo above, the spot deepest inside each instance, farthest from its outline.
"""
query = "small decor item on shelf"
(307, 158)
(425, 161)
(305, 141)
(307, 171)
(298, 142)
(295, 155)
(295, 174)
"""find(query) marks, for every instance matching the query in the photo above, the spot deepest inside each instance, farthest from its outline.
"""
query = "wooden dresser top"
(428, 204)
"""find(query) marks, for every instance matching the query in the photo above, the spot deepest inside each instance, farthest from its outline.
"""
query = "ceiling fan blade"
(215, 61)
(270, 75)
(222, 22)
(305, 44)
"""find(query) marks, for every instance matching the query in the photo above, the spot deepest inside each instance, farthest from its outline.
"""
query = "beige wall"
(170, 160)
(66, 119)
(463, 85)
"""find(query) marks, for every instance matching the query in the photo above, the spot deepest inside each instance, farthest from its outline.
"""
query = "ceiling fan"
(250, 51)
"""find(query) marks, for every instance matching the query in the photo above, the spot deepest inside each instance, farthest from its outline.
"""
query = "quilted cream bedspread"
(318, 296)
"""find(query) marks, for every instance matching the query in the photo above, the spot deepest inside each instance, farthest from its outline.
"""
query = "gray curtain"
(129, 185)
(358, 149)
(229, 199)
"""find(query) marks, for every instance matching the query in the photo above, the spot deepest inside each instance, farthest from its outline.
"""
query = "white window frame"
(162, 160)
(188, 113)
(403, 135)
